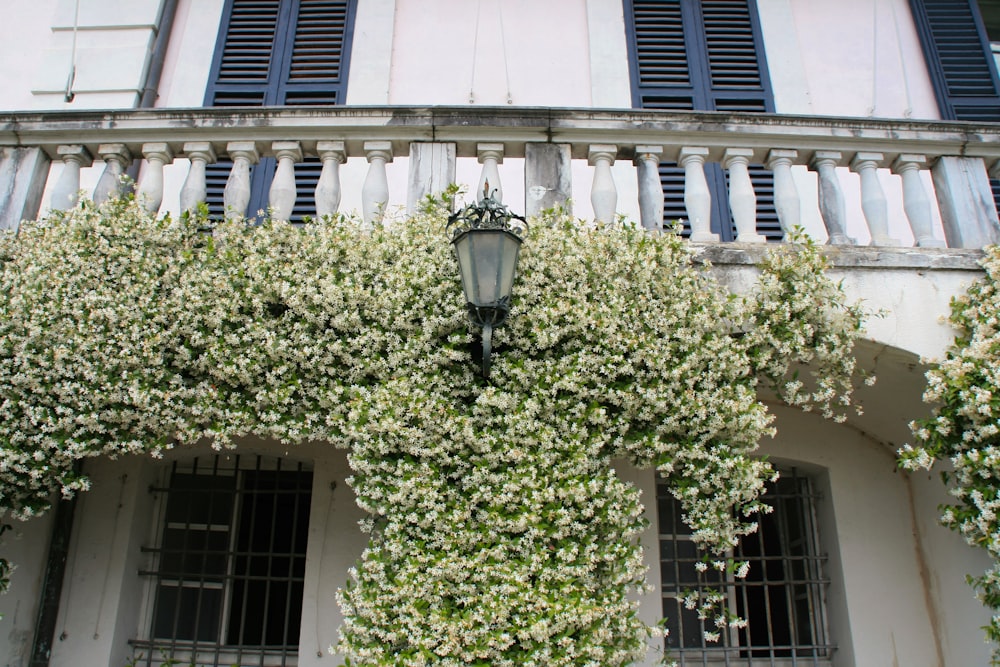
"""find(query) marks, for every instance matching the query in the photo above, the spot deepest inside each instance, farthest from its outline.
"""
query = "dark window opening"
(782, 597)
(228, 582)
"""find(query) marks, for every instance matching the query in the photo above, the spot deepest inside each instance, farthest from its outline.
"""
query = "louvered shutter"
(958, 58)
(703, 55)
(279, 53)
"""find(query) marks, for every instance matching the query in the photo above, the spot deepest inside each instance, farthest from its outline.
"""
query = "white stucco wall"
(846, 58)
(896, 593)
(901, 599)
(25, 545)
(24, 30)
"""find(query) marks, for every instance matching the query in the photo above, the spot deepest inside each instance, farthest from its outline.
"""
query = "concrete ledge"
(851, 257)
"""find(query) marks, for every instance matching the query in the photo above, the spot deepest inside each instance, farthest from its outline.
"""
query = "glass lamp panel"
(511, 244)
(463, 251)
(487, 259)
(487, 255)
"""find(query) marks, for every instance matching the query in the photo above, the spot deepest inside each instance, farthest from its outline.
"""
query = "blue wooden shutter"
(279, 53)
(702, 55)
(958, 58)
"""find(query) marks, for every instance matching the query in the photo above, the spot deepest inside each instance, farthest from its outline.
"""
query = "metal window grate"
(227, 583)
(782, 598)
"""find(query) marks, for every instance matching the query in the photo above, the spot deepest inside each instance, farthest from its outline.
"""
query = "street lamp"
(486, 237)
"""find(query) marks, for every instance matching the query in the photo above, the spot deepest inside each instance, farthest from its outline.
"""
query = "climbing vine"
(963, 435)
(499, 532)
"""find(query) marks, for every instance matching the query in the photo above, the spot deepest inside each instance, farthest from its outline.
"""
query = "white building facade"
(872, 124)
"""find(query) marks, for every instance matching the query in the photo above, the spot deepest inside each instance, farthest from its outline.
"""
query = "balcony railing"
(960, 157)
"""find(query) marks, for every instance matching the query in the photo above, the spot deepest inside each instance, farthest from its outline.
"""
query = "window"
(702, 55)
(279, 53)
(782, 597)
(227, 582)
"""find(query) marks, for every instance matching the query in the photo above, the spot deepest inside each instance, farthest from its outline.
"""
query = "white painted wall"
(846, 58)
(26, 546)
(491, 52)
(896, 596)
(892, 556)
(188, 59)
(24, 25)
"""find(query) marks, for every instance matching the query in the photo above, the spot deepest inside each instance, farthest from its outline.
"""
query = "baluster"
(375, 191)
(873, 201)
(66, 191)
(786, 195)
(237, 193)
(333, 154)
(490, 155)
(742, 200)
(647, 167)
(194, 191)
(831, 197)
(916, 203)
(603, 193)
(281, 196)
(697, 196)
(115, 157)
(150, 193)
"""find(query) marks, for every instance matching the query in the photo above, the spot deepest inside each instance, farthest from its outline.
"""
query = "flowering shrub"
(499, 533)
(964, 430)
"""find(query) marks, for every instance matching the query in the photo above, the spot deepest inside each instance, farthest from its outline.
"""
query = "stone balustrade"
(960, 157)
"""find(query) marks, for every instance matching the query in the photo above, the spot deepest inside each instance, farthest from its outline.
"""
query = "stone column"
(23, 171)
(281, 196)
(786, 195)
(237, 193)
(873, 201)
(194, 191)
(697, 196)
(548, 181)
(375, 191)
(150, 192)
(432, 170)
(603, 193)
(116, 158)
(333, 154)
(831, 197)
(968, 212)
(916, 203)
(647, 167)
(742, 200)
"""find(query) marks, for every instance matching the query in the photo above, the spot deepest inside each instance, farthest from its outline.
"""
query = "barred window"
(227, 578)
(782, 598)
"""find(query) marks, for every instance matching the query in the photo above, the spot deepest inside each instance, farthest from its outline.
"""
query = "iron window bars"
(782, 598)
(228, 572)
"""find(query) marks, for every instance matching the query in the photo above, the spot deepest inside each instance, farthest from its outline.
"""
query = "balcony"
(917, 192)
(849, 161)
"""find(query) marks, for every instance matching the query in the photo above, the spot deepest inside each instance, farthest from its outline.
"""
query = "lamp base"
(487, 348)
